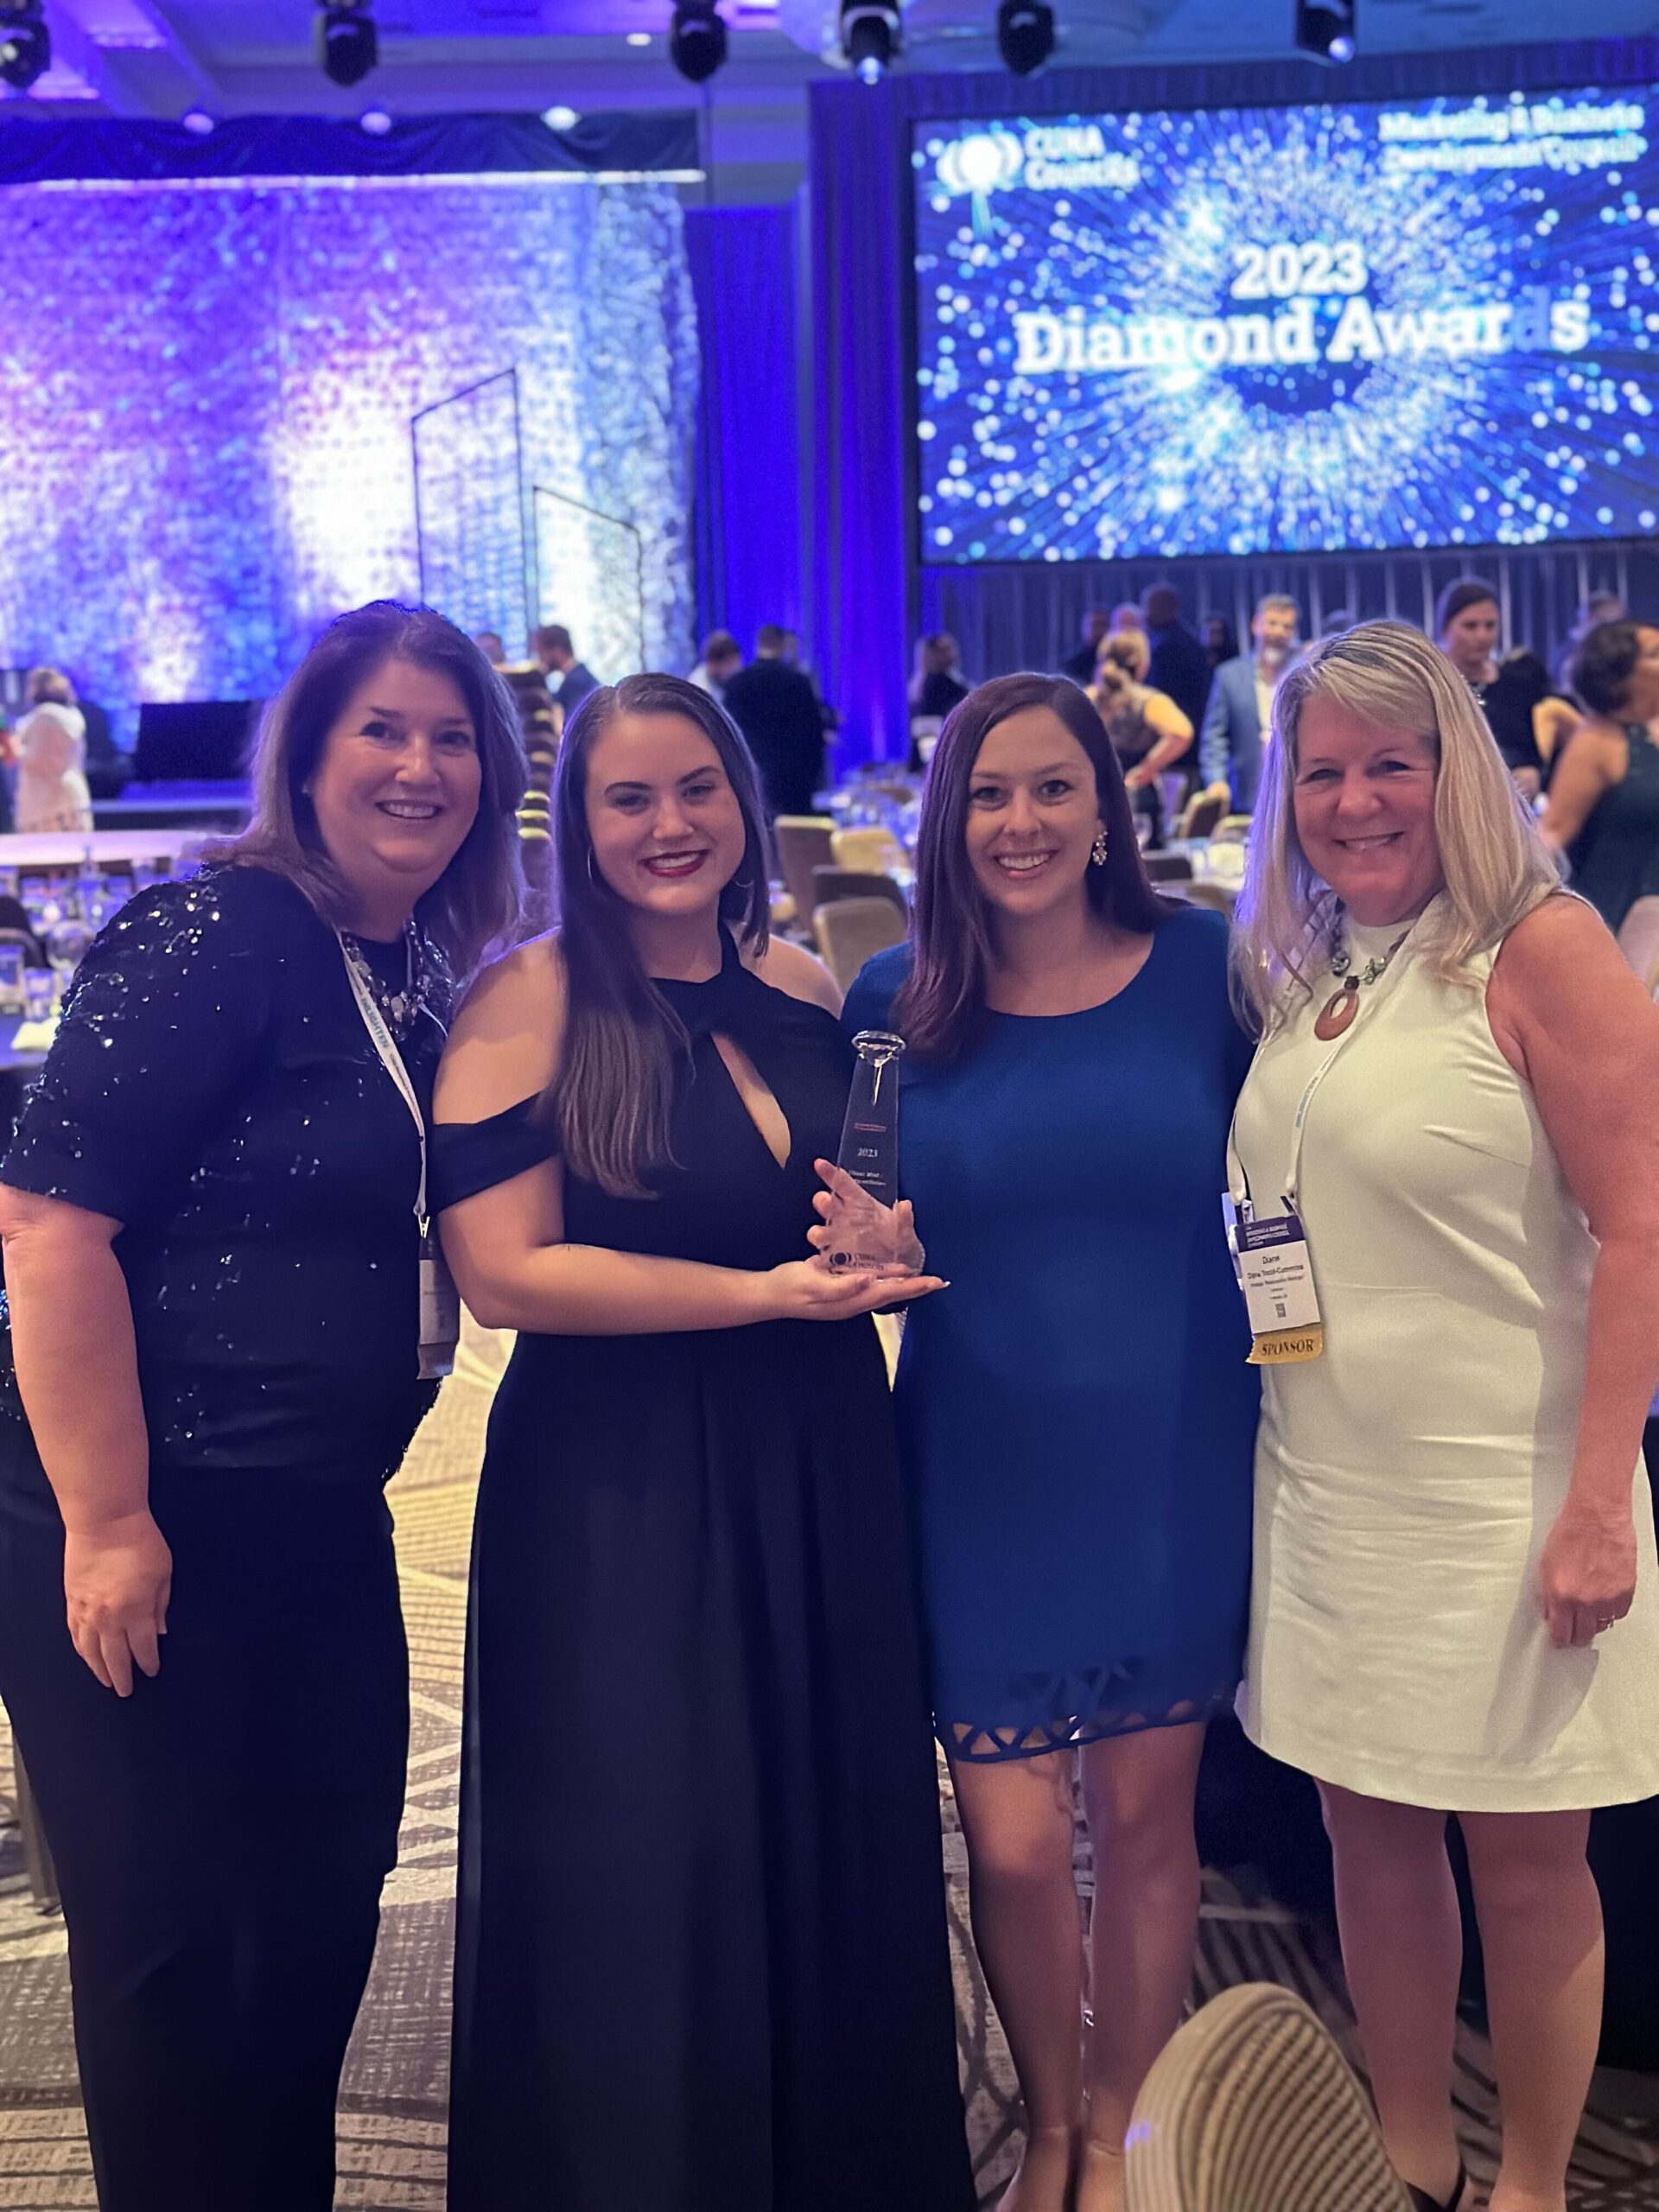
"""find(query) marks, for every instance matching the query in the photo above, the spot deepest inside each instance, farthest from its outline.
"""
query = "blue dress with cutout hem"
(1076, 1413)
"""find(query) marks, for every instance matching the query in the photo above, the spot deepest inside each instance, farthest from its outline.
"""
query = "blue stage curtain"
(867, 597)
(746, 516)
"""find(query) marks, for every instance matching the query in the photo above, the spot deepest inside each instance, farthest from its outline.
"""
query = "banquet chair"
(849, 931)
(801, 843)
(1638, 940)
(1252, 2107)
(1201, 814)
(1231, 830)
(874, 850)
(1167, 867)
(831, 883)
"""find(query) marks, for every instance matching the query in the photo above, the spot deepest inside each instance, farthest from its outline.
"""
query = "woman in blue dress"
(1076, 1411)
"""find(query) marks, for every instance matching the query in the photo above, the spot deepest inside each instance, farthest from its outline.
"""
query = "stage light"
(560, 118)
(696, 40)
(375, 121)
(348, 46)
(198, 123)
(1326, 29)
(25, 44)
(1025, 35)
(870, 37)
(639, 38)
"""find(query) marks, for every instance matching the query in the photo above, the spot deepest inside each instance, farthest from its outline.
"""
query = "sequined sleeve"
(161, 1033)
(468, 1157)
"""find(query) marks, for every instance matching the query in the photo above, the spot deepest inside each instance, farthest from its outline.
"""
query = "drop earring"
(1097, 850)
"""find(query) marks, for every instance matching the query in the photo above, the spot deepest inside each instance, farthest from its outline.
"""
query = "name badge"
(440, 1313)
(1276, 1273)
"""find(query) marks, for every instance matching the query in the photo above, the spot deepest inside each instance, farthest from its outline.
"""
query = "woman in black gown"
(703, 1963)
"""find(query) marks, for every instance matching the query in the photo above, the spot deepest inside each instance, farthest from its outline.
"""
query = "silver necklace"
(1340, 1011)
(402, 1006)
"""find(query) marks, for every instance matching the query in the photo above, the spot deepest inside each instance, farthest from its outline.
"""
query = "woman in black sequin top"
(210, 1369)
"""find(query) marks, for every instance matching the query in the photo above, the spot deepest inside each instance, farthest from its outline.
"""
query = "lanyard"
(381, 1037)
(1239, 1180)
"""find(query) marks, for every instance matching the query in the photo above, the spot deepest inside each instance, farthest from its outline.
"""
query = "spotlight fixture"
(639, 38)
(348, 46)
(1326, 29)
(375, 121)
(696, 40)
(25, 44)
(1025, 35)
(870, 37)
(560, 118)
(198, 123)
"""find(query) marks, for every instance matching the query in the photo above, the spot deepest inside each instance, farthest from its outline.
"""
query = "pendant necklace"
(1339, 1013)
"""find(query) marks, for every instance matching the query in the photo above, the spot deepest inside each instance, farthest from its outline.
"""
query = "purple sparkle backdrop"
(205, 391)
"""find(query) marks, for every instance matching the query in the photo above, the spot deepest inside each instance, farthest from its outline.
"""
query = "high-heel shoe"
(1422, 2202)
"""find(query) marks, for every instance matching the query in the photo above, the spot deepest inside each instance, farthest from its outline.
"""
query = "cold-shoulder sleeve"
(468, 1157)
(163, 1030)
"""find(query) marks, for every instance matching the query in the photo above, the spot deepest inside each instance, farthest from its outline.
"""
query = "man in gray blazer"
(1238, 719)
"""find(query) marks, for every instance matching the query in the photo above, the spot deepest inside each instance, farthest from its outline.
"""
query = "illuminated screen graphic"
(1294, 330)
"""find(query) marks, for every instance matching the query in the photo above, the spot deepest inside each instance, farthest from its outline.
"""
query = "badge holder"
(1276, 1273)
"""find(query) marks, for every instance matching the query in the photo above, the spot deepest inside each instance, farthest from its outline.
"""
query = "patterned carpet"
(392, 2103)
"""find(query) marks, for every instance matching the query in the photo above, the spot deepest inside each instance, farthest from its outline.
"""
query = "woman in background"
(1148, 731)
(703, 1963)
(211, 1367)
(1075, 1411)
(1526, 717)
(50, 748)
(1455, 1610)
(1603, 800)
(936, 686)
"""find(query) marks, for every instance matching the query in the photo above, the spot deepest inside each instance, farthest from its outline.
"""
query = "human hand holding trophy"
(865, 1226)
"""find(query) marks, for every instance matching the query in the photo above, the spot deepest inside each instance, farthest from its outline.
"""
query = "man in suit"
(778, 710)
(1179, 666)
(552, 647)
(1238, 720)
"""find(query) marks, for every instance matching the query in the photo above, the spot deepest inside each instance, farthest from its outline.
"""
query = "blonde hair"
(1126, 650)
(1495, 868)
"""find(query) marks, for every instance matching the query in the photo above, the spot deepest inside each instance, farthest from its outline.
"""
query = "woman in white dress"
(51, 745)
(1456, 1602)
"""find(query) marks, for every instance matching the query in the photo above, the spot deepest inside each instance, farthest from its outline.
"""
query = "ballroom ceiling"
(159, 58)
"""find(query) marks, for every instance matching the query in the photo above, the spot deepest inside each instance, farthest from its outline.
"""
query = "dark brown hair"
(1605, 661)
(1458, 598)
(475, 902)
(940, 1006)
(614, 1093)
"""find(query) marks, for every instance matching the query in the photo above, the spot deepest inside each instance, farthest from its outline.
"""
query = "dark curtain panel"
(867, 595)
(747, 516)
(1009, 618)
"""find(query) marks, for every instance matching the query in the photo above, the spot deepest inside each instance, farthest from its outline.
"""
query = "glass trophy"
(864, 1231)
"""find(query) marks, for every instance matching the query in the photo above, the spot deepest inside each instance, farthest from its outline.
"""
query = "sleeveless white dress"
(1405, 1482)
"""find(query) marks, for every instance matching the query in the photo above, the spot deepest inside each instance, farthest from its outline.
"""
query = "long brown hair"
(940, 1006)
(615, 1091)
(475, 902)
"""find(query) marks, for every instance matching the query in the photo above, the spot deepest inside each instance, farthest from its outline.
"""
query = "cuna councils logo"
(1045, 157)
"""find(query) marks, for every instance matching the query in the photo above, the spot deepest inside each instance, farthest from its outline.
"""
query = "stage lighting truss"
(348, 46)
(696, 40)
(1328, 29)
(1025, 35)
(871, 37)
(25, 44)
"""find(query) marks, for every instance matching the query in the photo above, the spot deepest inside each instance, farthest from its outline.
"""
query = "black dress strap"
(468, 1157)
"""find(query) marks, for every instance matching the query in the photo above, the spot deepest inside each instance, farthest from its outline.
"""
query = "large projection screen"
(1293, 330)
